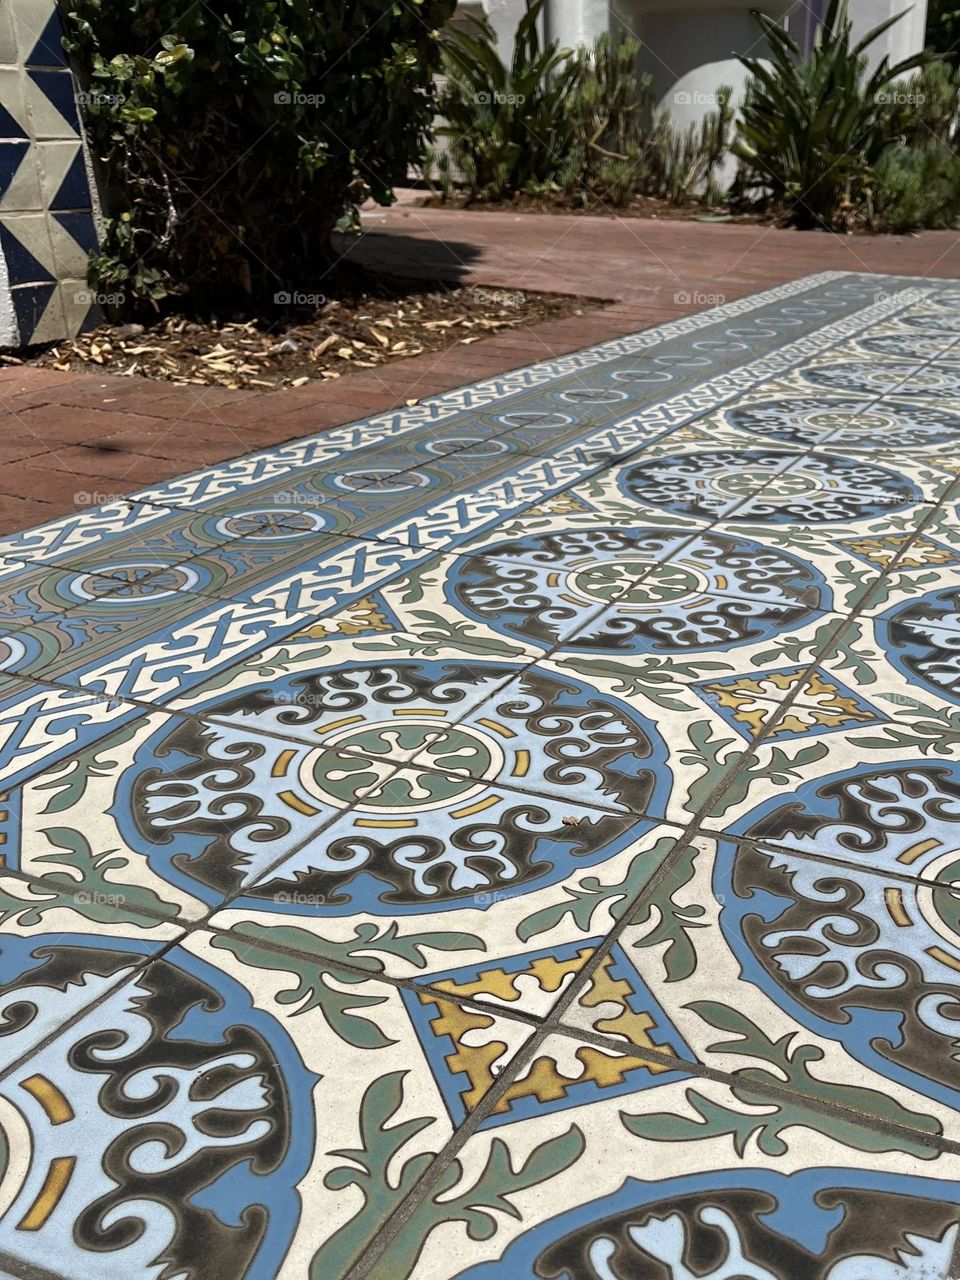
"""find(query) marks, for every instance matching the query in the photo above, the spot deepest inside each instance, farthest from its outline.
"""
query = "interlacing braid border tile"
(514, 836)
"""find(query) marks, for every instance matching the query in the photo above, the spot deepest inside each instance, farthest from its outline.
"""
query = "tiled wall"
(47, 221)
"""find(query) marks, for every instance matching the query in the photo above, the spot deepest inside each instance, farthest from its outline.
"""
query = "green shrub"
(231, 138)
(916, 187)
(685, 164)
(811, 128)
(925, 107)
(508, 125)
(943, 29)
(577, 126)
(608, 107)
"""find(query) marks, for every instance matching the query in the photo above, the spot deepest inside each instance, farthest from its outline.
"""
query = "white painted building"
(690, 49)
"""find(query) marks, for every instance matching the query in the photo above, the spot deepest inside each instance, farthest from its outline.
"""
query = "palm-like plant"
(508, 124)
(812, 128)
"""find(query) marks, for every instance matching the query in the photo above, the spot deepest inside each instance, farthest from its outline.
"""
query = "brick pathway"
(72, 441)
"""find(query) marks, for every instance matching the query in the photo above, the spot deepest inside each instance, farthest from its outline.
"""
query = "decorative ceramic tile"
(60, 621)
(256, 1066)
(175, 814)
(358, 681)
(393, 738)
(38, 722)
(396, 887)
(684, 1170)
(751, 703)
(787, 970)
(47, 220)
(879, 792)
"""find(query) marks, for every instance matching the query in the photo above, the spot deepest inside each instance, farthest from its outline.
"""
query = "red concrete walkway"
(71, 441)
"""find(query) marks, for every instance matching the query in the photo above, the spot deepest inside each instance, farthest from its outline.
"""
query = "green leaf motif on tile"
(368, 1171)
(790, 1072)
(84, 887)
(315, 989)
(440, 633)
(826, 643)
(938, 731)
(367, 937)
(709, 752)
(411, 587)
(843, 654)
(70, 784)
(279, 662)
(674, 923)
(647, 677)
(591, 894)
(373, 1163)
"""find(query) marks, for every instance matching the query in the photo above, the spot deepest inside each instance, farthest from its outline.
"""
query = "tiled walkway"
(516, 836)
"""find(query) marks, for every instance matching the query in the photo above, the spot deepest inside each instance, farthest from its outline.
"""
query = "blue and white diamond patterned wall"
(48, 211)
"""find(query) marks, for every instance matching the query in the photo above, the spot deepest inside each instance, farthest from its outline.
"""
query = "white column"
(573, 22)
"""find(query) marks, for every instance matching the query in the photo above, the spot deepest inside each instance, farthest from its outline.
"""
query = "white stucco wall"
(690, 54)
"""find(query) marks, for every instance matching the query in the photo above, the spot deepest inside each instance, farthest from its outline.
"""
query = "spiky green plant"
(812, 127)
(508, 125)
(608, 108)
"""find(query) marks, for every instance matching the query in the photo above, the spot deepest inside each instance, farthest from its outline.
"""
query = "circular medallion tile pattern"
(612, 590)
(773, 487)
(214, 804)
(848, 423)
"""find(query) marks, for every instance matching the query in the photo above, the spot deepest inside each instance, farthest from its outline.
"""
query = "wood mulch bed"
(362, 322)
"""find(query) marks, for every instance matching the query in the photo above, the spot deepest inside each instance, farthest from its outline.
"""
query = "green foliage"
(917, 187)
(943, 29)
(925, 106)
(917, 181)
(231, 138)
(607, 157)
(508, 124)
(579, 126)
(812, 128)
(685, 163)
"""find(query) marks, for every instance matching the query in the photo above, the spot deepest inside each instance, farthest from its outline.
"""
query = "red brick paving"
(65, 436)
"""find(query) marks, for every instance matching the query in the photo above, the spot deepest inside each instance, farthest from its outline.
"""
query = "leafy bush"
(943, 29)
(507, 125)
(916, 182)
(231, 138)
(916, 187)
(686, 163)
(925, 107)
(811, 128)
